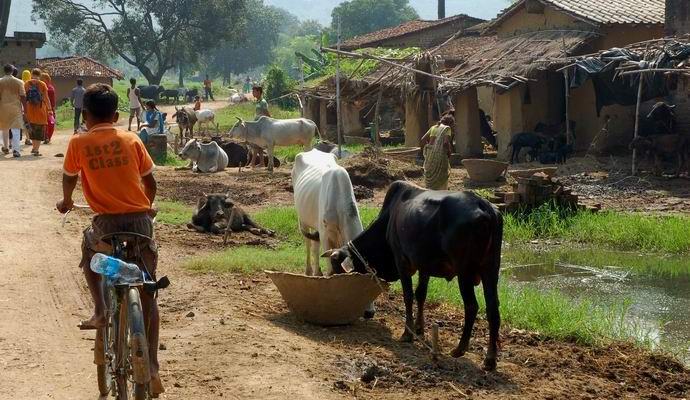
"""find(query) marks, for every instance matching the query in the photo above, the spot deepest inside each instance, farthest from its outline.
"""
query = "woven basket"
(403, 153)
(327, 301)
(481, 170)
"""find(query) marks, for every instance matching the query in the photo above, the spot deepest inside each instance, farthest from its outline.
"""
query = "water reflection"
(656, 288)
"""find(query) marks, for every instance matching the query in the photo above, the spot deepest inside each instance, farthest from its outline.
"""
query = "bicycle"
(121, 351)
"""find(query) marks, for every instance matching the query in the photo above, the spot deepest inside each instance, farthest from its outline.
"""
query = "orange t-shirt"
(111, 163)
(38, 114)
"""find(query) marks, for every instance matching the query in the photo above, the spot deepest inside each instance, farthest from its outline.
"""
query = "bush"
(278, 84)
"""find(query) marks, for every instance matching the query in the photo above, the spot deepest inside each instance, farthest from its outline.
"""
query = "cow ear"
(328, 253)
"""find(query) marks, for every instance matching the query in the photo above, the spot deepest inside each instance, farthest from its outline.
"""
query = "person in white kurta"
(12, 104)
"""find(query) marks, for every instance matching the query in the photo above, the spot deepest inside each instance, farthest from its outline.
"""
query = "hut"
(534, 40)
(66, 70)
(20, 49)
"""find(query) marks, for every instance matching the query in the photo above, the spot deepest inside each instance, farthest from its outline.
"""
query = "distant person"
(437, 148)
(133, 94)
(38, 109)
(197, 103)
(12, 104)
(261, 103)
(154, 122)
(26, 75)
(247, 85)
(77, 101)
(45, 77)
(208, 89)
(15, 72)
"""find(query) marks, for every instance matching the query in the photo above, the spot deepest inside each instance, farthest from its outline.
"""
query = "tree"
(152, 35)
(364, 16)
(264, 27)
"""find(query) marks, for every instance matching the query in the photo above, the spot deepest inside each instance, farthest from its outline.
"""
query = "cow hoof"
(406, 337)
(458, 352)
(489, 364)
(368, 314)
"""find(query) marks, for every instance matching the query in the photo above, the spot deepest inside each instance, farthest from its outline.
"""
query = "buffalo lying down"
(440, 234)
(217, 213)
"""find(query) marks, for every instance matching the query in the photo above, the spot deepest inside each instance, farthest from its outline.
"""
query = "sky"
(20, 14)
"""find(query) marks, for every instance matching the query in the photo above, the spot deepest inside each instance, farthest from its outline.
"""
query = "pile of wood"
(531, 192)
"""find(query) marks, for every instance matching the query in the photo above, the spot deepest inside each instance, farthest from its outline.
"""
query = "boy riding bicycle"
(118, 184)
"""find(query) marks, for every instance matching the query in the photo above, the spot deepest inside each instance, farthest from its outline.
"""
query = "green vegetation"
(172, 160)
(170, 212)
(620, 231)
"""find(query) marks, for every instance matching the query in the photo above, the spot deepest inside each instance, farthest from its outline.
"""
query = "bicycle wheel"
(139, 347)
(103, 348)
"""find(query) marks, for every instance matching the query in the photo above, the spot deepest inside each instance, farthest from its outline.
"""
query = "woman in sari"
(51, 96)
(437, 145)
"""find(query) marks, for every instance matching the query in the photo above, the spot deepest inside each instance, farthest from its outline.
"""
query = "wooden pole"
(434, 342)
(377, 141)
(568, 136)
(301, 87)
(337, 94)
(637, 123)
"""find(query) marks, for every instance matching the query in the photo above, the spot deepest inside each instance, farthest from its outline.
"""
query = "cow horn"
(239, 119)
(204, 194)
(328, 253)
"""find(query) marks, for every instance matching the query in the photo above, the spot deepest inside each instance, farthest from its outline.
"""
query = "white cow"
(206, 117)
(267, 133)
(326, 207)
(205, 157)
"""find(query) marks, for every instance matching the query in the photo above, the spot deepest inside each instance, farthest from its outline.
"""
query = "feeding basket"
(403, 153)
(481, 170)
(334, 300)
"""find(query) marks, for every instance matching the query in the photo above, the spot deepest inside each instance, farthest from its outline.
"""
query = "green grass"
(170, 212)
(173, 160)
(614, 230)
(550, 313)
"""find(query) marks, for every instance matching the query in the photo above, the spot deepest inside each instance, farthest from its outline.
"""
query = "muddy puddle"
(655, 289)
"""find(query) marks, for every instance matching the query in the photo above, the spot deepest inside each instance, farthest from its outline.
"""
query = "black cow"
(151, 92)
(525, 139)
(170, 94)
(662, 119)
(191, 94)
(440, 234)
(657, 147)
(238, 155)
(217, 213)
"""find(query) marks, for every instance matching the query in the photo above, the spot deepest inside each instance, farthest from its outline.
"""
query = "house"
(417, 33)
(20, 49)
(65, 71)
(535, 39)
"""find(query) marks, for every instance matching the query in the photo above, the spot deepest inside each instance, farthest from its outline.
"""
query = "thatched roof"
(506, 62)
(77, 67)
(464, 47)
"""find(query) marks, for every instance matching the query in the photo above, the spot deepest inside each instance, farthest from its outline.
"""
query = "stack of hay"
(531, 192)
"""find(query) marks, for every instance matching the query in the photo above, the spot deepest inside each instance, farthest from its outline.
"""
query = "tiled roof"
(77, 66)
(374, 38)
(462, 48)
(600, 11)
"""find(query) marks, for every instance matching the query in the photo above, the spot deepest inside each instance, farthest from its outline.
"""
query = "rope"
(376, 279)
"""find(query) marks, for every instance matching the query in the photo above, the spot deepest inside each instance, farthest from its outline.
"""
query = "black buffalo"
(170, 95)
(238, 154)
(486, 130)
(151, 92)
(440, 234)
(191, 94)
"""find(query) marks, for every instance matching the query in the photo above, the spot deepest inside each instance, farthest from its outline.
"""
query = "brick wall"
(21, 54)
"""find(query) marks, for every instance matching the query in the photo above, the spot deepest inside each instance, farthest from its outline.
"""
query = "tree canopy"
(152, 35)
(364, 16)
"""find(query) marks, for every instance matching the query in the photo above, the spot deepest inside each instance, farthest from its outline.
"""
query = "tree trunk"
(441, 9)
(180, 82)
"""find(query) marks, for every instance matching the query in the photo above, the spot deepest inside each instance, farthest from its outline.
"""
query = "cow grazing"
(205, 157)
(217, 213)
(206, 117)
(151, 92)
(656, 147)
(268, 132)
(170, 94)
(439, 234)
